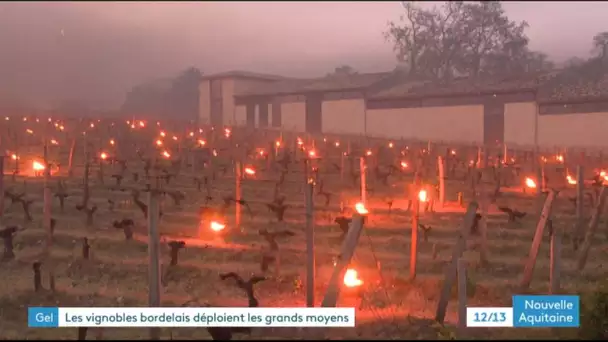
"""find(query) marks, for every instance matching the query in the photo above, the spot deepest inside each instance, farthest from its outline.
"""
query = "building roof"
(244, 74)
(585, 83)
(323, 84)
(465, 86)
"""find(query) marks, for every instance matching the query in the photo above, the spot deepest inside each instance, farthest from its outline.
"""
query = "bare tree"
(472, 38)
(600, 44)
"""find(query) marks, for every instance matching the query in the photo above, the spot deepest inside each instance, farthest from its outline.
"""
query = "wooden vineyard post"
(341, 181)
(538, 237)
(539, 178)
(483, 228)
(441, 166)
(346, 253)
(310, 246)
(2, 184)
(452, 269)
(555, 259)
(153, 258)
(505, 154)
(462, 296)
(363, 181)
(595, 220)
(47, 200)
(580, 208)
(414, 237)
(237, 195)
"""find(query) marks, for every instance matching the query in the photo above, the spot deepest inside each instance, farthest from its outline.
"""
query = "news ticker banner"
(529, 312)
(52, 317)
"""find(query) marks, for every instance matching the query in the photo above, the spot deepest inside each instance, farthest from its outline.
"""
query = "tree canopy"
(460, 38)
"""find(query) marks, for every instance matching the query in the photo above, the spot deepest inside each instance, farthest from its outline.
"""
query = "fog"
(95, 52)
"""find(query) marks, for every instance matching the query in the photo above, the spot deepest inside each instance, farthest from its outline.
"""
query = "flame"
(191, 134)
(361, 209)
(103, 155)
(162, 134)
(166, 154)
(261, 152)
(128, 122)
(453, 152)
(14, 156)
(404, 165)
(142, 124)
(217, 226)
(337, 144)
(227, 132)
(530, 183)
(202, 142)
(214, 153)
(133, 126)
(37, 166)
(559, 158)
(300, 142)
(351, 278)
(277, 143)
(159, 142)
(368, 153)
(61, 128)
(6, 118)
(312, 153)
(54, 142)
(174, 138)
(423, 195)
(570, 180)
(249, 171)
(29, 131)
(112, 142)
(390, 145)
(50, 120)
(92, 125)
(37, 120)
(24, 119)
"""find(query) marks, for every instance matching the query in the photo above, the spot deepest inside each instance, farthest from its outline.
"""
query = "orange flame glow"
(300, 142)
(29, 131)
(142, 124)
(217, 226)
(559, 158)
(351, 278)
(570, 180)
(166, 154)
(202, 142)
(54, 142)
(337, 144)
(14, 156)
(112, 142)
(92, 125)
(191, 134)
(37, 166)
(312, 153)
(404, 165)
(530, 183)
(174, 138)
(250, 171)
(390, 145)
(103, 155)
(159, 142)
(361, 209)
(277, 143)
(368, 153)
(163, 134)
(423, 195)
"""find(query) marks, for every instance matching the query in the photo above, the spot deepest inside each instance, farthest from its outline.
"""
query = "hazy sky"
(95, 51)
